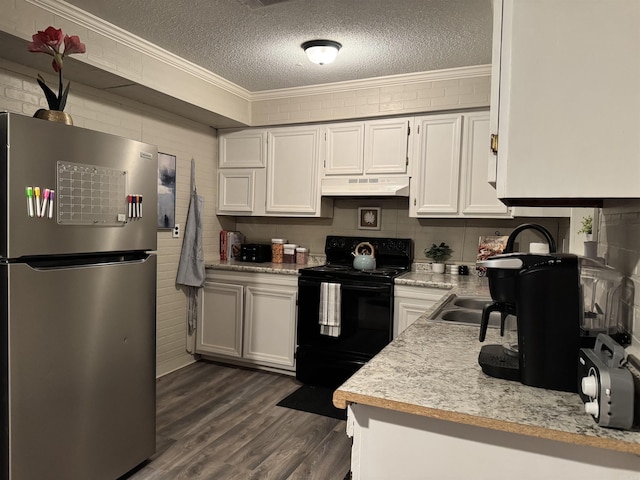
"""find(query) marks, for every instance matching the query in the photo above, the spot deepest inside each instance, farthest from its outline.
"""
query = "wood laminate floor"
(218, 422)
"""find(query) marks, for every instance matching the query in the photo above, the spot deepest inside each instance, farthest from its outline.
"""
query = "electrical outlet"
(176, 231)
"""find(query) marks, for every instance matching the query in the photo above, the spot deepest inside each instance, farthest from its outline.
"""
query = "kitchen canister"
(289, 253)
(302, 255)
(277, 250)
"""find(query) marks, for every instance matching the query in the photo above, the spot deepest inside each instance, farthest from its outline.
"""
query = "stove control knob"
(592, 408)
(590, 386)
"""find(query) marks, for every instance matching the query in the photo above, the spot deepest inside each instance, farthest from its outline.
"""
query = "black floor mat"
(309, 398)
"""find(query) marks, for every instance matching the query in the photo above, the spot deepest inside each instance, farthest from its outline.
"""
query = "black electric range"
(361, 308)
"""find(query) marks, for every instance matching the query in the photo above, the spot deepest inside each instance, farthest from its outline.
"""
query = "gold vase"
(54, 116)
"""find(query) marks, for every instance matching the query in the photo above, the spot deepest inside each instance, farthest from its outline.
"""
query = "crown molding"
(377, 82)
(117, 34)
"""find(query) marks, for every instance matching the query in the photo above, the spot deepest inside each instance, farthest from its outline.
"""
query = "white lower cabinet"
(270, 327)
(248, 318)
(220, 319)
(410, 303)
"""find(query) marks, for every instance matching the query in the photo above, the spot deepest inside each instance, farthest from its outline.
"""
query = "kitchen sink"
(465, 310)
(472, 303)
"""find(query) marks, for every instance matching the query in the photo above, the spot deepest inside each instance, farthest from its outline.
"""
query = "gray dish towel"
(191, 271)
(330, 306)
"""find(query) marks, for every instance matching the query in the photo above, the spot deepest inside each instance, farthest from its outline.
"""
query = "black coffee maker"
(543, 292)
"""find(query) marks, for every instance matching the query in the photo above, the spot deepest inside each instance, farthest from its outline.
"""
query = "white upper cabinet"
(271, 172)
(344, 148)
(371, 147)
(293, 170)
(242, 158)
(477, 197)
(436, 175)
(241, 191)
(386, 146)
(243, 148)
(565, 100)
(450, 168)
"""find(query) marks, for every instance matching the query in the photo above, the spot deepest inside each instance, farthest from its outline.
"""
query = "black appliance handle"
(366, 288)
(345, 284)
(530, 226)
(504, 309)
(484, 321)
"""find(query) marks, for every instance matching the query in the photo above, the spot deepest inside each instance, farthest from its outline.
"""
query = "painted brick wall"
(97, 110)
(340, 104)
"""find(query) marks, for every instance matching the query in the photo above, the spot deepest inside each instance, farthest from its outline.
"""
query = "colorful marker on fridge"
(36, 191)
(52, 195)
(45, 202)
(29, 192)
(130, 205)
(140, 205)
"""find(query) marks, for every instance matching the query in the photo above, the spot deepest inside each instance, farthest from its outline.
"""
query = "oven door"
(366, 316)
(366, 327)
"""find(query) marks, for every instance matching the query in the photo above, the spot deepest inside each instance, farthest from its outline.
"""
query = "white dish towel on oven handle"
(330, 304)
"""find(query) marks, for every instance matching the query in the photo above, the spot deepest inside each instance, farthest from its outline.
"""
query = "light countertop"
(431, 369)
(266, 267)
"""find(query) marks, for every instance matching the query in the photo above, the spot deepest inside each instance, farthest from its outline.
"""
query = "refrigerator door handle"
(84, 261)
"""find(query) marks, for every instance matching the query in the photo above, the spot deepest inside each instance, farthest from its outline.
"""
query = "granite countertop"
(431, 369)
(265, 267)
(462, 284)
(469, 284)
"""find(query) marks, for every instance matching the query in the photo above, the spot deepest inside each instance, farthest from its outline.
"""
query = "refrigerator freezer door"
(93, 173)
(81, 369)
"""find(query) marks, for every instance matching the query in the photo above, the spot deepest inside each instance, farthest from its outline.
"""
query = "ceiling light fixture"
(321, 51)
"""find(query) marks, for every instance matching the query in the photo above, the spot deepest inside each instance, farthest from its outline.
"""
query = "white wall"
(98, 110)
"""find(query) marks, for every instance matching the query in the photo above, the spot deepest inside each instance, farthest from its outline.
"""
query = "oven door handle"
(366, 288)
(344, 284)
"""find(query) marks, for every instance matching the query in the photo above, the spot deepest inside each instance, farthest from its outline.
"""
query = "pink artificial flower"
(72, 44)
(50, 42)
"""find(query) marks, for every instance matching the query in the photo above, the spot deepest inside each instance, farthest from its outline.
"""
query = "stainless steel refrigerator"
(78, 306)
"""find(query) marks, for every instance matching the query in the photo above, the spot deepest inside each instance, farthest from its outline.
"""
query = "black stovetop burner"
(393, 257)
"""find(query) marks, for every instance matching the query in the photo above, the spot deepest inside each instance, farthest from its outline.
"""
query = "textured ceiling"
(258, 47)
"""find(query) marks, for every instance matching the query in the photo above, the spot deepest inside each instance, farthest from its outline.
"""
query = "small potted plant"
(587, 226)
(590, 247)
(438, 253)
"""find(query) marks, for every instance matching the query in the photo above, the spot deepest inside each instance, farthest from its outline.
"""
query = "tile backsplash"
(460, 234)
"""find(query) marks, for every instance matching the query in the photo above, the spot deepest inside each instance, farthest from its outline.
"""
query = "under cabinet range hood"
(389, 186)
